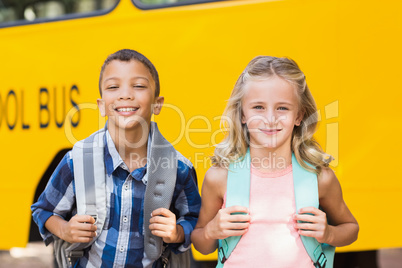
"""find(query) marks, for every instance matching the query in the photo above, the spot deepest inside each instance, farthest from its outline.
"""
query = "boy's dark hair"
(128, 55)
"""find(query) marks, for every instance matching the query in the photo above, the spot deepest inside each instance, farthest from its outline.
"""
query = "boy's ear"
(101, 106)
(158, 105)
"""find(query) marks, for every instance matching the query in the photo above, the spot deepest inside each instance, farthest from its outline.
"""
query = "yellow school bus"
(52, 51)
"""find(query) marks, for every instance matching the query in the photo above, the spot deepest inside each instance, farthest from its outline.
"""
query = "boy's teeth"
(126, 109)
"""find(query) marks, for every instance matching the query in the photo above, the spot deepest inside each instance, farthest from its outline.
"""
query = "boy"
(129, 87)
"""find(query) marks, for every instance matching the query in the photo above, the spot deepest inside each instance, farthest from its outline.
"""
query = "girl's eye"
(258, 107)
(283, 108)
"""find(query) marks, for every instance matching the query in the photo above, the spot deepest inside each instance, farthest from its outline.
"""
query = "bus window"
(150, 4)
(34, 10)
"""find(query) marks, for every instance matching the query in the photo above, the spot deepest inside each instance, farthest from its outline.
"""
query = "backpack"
(90, 187)
(306, 194)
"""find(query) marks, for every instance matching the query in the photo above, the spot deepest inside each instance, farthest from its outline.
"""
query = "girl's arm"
(341, 228)
(214, 222)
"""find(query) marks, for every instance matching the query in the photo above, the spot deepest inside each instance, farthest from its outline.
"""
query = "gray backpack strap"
(90, 178)
(161, 172)
(90, 187)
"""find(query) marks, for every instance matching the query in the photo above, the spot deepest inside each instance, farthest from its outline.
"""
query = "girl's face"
(270, 110)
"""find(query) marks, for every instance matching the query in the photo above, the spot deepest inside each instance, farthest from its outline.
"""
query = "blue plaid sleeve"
(187, 203)
(58, 198)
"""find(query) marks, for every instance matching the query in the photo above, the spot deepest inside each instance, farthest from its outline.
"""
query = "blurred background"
(51, 53)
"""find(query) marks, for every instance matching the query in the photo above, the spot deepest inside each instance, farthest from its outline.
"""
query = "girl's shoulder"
(327, 181)
(215, 180)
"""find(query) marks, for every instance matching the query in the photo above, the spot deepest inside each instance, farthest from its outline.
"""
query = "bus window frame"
(143, 6)
(71, 16)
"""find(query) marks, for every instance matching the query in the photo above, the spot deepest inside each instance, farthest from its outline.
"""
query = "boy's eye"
(112, 87)
(139, 86)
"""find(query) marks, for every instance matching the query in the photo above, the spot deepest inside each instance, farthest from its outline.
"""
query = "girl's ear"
(101, 106)
(158, 105)
(243, 118)
(299, 118)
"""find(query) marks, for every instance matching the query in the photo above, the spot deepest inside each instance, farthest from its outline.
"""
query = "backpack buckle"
(321, 261)
(73, 256)
(222, 253)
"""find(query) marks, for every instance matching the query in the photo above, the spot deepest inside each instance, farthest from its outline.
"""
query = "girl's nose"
(270, 117)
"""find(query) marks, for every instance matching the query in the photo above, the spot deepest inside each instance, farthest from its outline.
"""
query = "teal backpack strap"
(306, 195)
(237, 194)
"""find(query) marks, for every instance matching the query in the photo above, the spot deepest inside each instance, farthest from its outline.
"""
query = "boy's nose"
(126, 93)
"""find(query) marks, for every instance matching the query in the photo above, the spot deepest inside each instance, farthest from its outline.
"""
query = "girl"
(271, 113)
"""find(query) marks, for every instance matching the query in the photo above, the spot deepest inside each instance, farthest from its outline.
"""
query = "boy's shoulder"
(184, 167)
(183, 159)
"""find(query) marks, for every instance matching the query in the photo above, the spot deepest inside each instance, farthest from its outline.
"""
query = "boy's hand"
(314, 225)
(80, 229)
(163, 224)
(226, 224)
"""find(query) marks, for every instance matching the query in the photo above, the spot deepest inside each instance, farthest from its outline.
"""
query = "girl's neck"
(131, 144)
(270, 159)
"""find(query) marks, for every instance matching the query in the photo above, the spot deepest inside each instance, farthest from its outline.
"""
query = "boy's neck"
(131, 144)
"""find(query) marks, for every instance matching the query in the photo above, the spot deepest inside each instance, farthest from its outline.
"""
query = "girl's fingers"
(306, 218)
(236, 209)
(306, 226)
(310, 210)
(236, 232)
(238, 226)
(307, 233)
(239, 218)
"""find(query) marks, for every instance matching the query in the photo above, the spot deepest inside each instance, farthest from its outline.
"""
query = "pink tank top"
(271, 240)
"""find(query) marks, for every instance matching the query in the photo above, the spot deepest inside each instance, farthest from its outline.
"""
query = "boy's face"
(128, 95)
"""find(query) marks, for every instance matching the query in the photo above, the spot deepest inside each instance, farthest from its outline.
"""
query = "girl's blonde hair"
(235, 144)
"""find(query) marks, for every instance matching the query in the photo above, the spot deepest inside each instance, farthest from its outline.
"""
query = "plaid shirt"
(121, 243)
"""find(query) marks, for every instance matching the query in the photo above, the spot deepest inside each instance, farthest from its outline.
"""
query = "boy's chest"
(124, 204)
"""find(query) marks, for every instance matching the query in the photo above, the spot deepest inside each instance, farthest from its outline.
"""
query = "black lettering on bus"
(11, 93)
(75, 105)
(44, 108)
(59, 124)
(24, 125)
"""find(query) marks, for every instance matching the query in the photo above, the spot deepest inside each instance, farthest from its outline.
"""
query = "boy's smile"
(126, 111)
(128, 95)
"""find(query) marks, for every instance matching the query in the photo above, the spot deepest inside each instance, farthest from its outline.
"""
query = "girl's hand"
(163, 224)
(313, 225)
(226, 224)
(79, 229)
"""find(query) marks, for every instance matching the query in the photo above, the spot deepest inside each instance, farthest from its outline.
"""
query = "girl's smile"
(270, 131)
